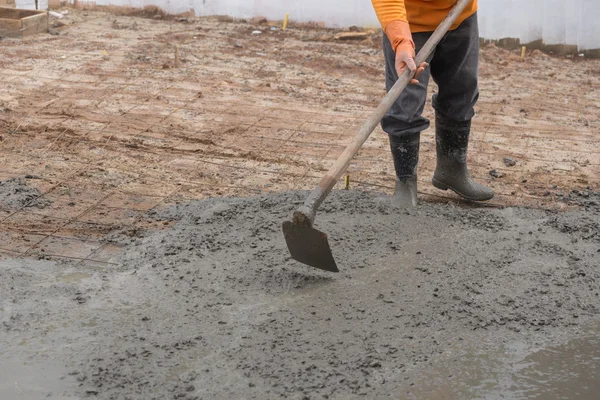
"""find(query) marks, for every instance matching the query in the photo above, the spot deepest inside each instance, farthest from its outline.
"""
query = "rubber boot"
(452, 141)
(405, 151)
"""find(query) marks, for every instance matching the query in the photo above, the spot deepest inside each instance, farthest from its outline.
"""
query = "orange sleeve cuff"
(398, 32)
(389, 10)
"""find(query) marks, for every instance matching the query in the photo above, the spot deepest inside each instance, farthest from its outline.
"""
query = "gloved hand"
(398, 32)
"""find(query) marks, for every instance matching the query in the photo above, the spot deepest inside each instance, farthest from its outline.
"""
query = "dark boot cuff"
(442, 120)
(409, 138)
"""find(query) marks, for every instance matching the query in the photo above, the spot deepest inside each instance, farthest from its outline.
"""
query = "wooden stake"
(523, 49)
(347, 182)
(176, 55)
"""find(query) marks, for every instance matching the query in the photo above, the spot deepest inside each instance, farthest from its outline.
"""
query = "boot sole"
(443, 186)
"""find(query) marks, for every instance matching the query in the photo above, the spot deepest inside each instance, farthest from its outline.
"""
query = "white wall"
(30, 4)
(334, 13)
(571, 22)
(554, 21)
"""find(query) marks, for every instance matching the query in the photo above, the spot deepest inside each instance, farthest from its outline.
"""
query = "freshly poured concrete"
(436, 302)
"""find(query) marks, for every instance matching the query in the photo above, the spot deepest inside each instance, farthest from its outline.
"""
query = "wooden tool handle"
(305, 215)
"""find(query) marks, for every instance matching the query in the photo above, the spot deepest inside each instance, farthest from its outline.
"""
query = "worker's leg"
(404, 123)
(455, 68)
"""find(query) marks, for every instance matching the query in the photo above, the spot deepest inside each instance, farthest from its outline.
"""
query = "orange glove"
(398, 32)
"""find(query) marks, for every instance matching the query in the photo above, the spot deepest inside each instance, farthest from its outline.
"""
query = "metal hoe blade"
(309, 246)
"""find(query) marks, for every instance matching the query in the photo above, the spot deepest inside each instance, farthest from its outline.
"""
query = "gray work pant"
(454, 67)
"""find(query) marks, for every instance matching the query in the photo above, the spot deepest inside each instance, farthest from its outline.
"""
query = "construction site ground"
(114, 120)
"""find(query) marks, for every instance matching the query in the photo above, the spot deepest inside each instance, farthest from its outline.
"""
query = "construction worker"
(454, 67)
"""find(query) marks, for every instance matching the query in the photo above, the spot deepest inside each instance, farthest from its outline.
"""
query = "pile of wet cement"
(213, 307)
(16, 194)
(217, 301)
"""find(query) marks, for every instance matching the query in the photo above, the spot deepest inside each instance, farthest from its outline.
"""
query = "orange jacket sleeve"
(389, 10)
(424, 15)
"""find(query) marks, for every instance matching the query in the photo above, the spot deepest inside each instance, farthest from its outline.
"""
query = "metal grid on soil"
(111, 129)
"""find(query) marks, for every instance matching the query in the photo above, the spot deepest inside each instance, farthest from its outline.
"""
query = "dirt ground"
(106, 127)
(120, 280)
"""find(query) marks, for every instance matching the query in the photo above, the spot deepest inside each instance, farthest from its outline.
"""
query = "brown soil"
(104, 117)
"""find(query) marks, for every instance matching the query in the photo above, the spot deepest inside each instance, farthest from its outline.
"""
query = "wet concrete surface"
(518, 371)
(438, 302)
(28, 381)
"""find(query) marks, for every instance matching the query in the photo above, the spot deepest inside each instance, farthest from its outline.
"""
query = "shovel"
(309, 245)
